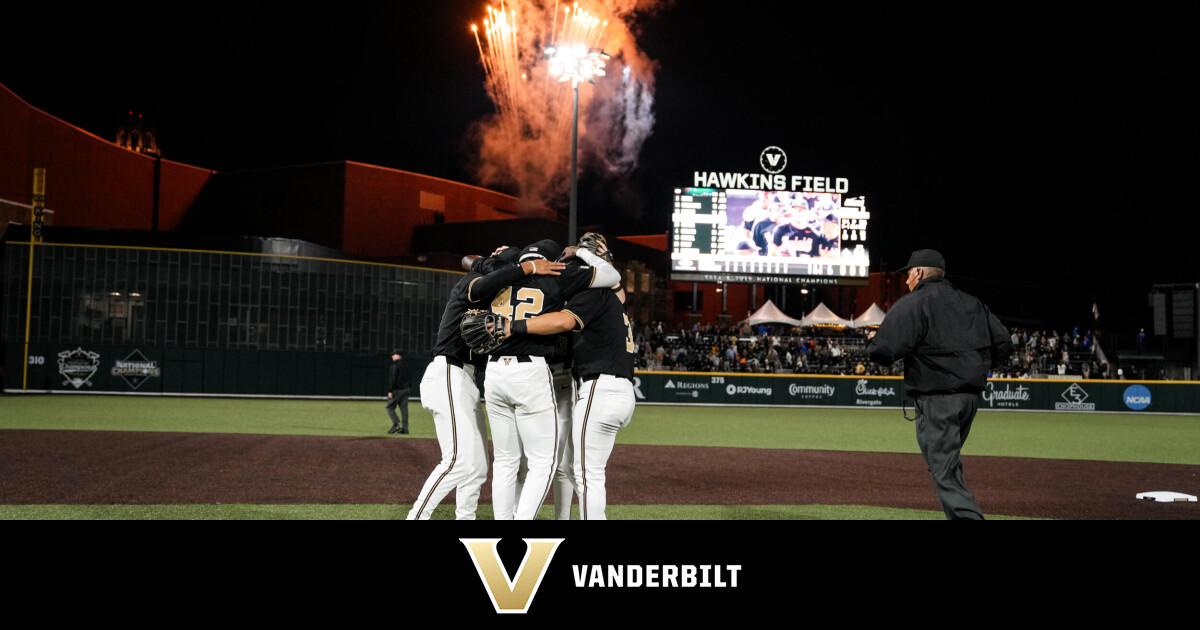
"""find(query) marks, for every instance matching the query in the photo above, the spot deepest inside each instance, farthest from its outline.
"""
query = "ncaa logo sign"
(1136, 397)
(773, 160)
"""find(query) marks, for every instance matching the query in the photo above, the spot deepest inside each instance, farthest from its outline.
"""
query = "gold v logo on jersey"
(507, 361)
(508, 595)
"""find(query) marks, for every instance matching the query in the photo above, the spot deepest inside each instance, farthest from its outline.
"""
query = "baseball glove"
(483, 331)
(592, 242)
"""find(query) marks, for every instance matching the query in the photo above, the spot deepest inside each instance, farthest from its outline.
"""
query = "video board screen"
(760, 236)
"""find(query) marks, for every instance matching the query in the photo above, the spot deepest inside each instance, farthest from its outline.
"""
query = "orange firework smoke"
(526, 144)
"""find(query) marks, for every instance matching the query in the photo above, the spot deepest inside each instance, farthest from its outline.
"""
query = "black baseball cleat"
(393, 430)
(404, 431)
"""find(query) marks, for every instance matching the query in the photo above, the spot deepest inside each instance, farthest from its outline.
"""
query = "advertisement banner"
(888, 392)
(82, 368)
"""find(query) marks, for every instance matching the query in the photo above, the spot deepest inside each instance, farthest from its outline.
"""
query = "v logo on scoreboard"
(511, 596)
(772, 159)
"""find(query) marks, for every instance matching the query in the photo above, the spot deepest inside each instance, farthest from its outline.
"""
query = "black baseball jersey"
(603, 337)
(533, 295)
(789, 232)
(474, 290)
(762, 234)
(563, 348)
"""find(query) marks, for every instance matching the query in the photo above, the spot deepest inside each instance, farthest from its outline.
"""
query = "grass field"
(1105, 437)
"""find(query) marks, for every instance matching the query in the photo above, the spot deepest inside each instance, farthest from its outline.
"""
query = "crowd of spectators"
(1040, 353)
(760, 349)
(842, 351)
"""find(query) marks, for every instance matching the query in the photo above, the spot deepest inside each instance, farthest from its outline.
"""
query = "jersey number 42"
(528, 303)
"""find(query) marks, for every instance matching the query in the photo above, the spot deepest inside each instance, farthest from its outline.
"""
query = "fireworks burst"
(526, 144)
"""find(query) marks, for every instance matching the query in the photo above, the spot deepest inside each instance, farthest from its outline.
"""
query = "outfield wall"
(160, 321)
(63, 368)
(148, 370)
(210, 322)
(693, 388)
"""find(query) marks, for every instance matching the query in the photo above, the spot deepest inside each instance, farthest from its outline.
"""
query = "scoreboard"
(699, 221)
(756, 236)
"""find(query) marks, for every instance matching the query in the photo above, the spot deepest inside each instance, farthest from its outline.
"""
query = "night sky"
(1049, 157)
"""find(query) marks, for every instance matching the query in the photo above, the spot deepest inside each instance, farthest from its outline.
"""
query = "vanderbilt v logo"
(508, 595)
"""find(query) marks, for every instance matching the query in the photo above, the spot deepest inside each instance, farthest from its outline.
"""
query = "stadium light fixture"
(575, 63)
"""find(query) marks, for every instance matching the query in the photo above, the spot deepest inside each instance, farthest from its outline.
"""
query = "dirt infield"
(69, 467)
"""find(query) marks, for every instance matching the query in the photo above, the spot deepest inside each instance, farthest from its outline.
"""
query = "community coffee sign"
(823, 391)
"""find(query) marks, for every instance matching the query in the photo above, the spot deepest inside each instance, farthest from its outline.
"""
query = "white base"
(1165, 496)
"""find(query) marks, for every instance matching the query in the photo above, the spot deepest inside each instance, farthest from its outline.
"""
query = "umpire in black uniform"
(948, 341)
(399, 387)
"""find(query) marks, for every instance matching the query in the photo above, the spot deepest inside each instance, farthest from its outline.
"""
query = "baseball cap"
(545, 248)
(398, 351)
(925, 258)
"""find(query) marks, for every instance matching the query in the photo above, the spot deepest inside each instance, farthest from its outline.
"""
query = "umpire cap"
(544, 248)
(925, 258)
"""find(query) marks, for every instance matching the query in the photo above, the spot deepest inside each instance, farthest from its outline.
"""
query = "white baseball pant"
(522, 414)
(564, 479)
(605, 406)
(449, 393)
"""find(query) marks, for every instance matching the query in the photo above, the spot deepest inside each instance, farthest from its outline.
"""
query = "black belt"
(592, 377)
(521, 358)
(454, 362)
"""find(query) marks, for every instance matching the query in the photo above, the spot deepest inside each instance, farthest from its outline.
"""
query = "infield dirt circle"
(107, 468)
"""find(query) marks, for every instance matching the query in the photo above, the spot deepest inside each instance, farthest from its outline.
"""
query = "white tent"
(769, 314)
(873, 316)
(822, 316)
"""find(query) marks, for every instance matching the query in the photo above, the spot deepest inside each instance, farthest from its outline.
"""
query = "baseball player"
(763, 229)
(564, 395)
(603, 363)
(519, 386)
(449, 392)
(744, 240)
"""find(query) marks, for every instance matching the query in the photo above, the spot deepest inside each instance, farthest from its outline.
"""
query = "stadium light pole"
(575, 63)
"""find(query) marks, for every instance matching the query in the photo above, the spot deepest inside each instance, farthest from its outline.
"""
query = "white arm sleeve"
(606, 275)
